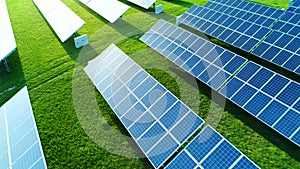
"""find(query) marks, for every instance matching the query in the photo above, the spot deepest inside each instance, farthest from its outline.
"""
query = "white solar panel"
(111, 10)
(62, 19)
(20, 146)
(7, 39)
(143, 3)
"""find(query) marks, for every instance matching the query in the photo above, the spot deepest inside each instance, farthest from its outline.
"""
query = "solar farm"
(150, 84)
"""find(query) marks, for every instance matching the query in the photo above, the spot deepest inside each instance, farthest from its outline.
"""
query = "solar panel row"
(206, 61)
(270, 97)
(111, 10)
(154, 117)
(143, 3)
(62, 20)
(281, 49)
(294, 6)
(252, 12)
(7, 39)
(286, 95)
(210, 150)
(19, 140)
(237, 32)
(289, 23)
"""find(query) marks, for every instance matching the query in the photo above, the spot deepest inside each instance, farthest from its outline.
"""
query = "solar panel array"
(252, 12)
(143, 3)
(7, 39)
(237, 32)
(289, 23)
(270, 97)
(63, 20)
(206, 61)
(111, 10)
(295, 6)
(154, 117)
(210, 150)
(281, 49)
(19, 140)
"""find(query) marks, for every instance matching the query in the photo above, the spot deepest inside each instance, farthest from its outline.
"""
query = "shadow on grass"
(181, 3)
(11, 82)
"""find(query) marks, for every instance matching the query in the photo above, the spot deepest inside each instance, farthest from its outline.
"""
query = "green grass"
(51, 71)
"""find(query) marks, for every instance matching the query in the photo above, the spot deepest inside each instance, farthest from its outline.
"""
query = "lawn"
(73, 133)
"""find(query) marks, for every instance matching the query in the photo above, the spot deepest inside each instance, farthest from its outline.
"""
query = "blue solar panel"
(237, 32)
(155, 118)
(280, 49)
(210, 150)
(252, 12)
(206, 61)
(268, 96)
(289, 23)
(19, 140)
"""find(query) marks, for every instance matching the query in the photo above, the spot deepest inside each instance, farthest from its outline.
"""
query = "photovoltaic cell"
(63, 20)
(19, 140)
(155, 118)
(7, 39)
(143, 3)
(281, 49)
(252, 12)
(210, 150)
(204, 60)
(230, 29)
(294, 6)
(111, 10)
(268, 96)
(289, 23)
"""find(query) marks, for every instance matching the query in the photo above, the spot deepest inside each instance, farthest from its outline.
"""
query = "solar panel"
(268, 96)
(281, 49)
(143, 3)
(252, 12)
(289, 23)
(158, 121)
(294, 6)
(237, 32)
(7, 39)
(204, 60)
(111, 10)
(210, 150)
(63, 20)
(19, 140)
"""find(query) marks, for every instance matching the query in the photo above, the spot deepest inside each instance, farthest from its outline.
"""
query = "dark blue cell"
(235, 64)
(297, 106)
(183, 58)
(232, 87)
(169, 49)
(296, 138)
(248, 71)
(199, 68)
(253, 18)
(249, 44)
(141, 125)
(282, 57)
(262, 48)
(286, 28)
(228, 21)
(275, 85)
(289, 123)
(221, 19)
(290, 94)
(246, 16)
(241, 41)
(295, 30)
(174, 114)
(205, 26)
(293, 63)
(295, 19)
(224, 59)
(273, 37)
(189, 41)
(278, 25)
(143, 88)
(287, 16)
(218, 80)
(162, 151)
(243, 95)
(225, 34)
(236, 24)
(262, 32)
(233, 37)
(261, 77)
(215, 17)
(268, 22)
(245, 163)
(211, 29)
(257, 103)
(153, 95)
(192, 61)
(212, 55)
(192, 9)
(203, 143)
(181, 161)
(261, 20)
(208, 73)
(284, 40)
(270, 53)
(151, 137)
(218, 31)
(222, 157)
(277, 14)
(272, 113)
(244, 27)
(294, 45)
(205, 49)
(270, 11)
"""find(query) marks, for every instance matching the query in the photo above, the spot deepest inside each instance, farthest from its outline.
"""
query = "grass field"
(57, 84)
